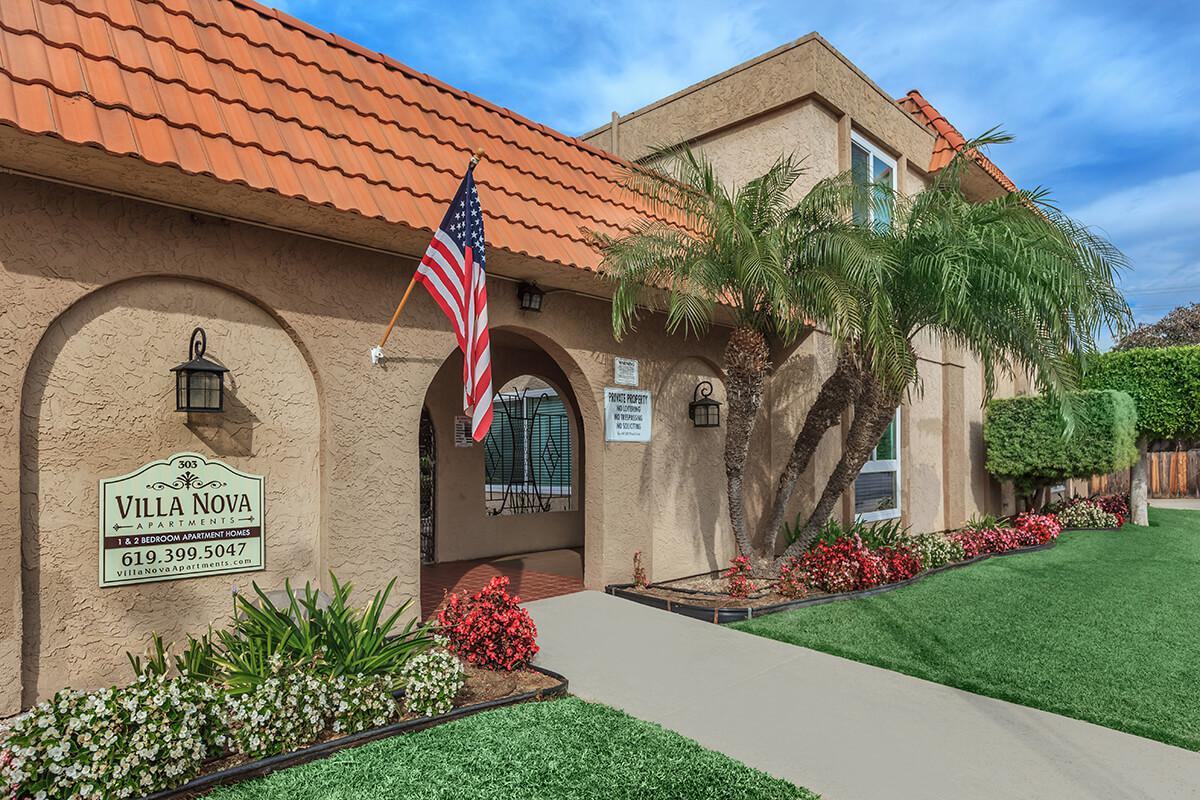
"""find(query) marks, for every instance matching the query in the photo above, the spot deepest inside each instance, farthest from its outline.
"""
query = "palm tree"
(1011, 281)
(716, 247)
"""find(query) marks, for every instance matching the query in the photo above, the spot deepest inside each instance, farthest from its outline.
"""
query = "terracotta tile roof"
(949, 140)
(246, 94)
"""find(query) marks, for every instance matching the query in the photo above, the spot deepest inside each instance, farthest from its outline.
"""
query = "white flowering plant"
(119, 742)
(361, 702)
(936, 550)
(1086, 514)
(432, 680)
(292, 707)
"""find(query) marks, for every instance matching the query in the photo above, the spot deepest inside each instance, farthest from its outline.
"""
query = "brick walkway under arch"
(533, 576)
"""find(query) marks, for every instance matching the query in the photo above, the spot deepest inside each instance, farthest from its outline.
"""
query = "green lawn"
(1104, 627)
(555, 750)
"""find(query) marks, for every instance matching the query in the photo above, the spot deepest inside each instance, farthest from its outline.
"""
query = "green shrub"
(333, 640)
(121, 742)
(1163, 382)
(985, 522)
(1027, 443)
(886, 533)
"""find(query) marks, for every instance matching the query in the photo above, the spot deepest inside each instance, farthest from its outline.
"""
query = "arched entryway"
(512, 504)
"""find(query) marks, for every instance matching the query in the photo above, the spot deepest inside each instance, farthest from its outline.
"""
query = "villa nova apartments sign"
(180, 518)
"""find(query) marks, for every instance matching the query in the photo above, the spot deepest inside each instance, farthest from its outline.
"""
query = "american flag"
(453, 270)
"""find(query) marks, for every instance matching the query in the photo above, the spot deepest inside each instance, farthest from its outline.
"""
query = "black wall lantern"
(703, 411)
(530, 297)
(199, 383)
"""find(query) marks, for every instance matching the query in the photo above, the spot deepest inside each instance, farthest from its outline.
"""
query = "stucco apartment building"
(173, 164)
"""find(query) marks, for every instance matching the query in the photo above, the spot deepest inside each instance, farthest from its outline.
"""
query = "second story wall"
(807, 99)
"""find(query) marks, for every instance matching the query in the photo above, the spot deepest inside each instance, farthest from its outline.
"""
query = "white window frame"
(876, 154)
(886, 465)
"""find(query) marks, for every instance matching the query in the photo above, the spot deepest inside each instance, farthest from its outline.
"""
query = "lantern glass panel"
(199, 391)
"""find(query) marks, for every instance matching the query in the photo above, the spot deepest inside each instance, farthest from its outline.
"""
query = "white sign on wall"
(625, 371)
(182, 517)
(627, 415)
(462, 432)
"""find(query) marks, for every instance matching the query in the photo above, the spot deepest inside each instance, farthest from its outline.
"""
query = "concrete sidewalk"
(846, 730)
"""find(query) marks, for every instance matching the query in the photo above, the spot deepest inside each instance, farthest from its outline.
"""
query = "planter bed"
(483, 690)
(720, 608)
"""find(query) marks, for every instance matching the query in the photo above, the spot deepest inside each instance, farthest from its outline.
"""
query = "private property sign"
(626, 415)
(180, 518)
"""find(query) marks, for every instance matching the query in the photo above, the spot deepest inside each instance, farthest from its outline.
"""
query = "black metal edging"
(265, 766)
(723, 615)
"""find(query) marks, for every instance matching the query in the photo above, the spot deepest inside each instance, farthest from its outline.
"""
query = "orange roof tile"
(949, 140)
(246, 94)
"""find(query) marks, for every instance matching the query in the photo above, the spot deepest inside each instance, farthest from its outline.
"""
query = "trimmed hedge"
(1026, 442)
(1164, 383)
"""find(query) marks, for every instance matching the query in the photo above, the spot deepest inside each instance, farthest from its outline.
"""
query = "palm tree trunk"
(835, 396)
(873, 412)
(746, 365)
(1139, 485)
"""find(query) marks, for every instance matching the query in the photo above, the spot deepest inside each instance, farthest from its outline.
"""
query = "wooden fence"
(1173, 473)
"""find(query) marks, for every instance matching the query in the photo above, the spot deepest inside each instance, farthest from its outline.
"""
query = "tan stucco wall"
(689, 527)
(92, 408)
(293, 318)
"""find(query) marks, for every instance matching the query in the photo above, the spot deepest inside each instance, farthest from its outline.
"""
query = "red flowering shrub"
(1115, 504)
(989, 540)
(1037, 528)
(971, 541)
(490, 630)
(791, 582)
(899, 563)
(999, 540)
(844, 566)
(739, 578)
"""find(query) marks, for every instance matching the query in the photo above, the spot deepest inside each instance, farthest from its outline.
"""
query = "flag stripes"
(453, 270)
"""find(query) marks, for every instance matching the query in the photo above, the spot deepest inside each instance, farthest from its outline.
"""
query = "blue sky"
(1103, 97)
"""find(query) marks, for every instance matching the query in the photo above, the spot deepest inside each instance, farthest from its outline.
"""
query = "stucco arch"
(460, 490)
(97, 400)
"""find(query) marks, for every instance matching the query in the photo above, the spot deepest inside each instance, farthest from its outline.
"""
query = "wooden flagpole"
(377, 352)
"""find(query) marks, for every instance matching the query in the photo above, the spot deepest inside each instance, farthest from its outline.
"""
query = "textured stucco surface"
(92, 408)
(689, 530)
(116, 285)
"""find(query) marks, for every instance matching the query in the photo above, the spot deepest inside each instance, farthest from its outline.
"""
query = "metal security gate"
(527, 454)
(427, 461)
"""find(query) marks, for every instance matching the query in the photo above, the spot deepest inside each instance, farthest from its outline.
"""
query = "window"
(527, 451)
(877, 488)
(869, 165)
